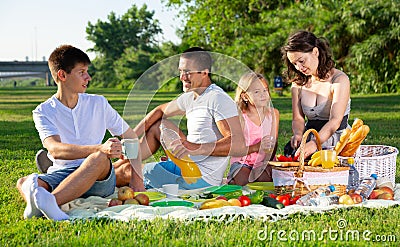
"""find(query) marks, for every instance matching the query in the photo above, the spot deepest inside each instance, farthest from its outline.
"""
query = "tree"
(374, 56)
(364, 35)
(131, 65)
(119, 37)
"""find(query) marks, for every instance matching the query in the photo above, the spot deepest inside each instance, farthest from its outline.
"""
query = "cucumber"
(272, 203)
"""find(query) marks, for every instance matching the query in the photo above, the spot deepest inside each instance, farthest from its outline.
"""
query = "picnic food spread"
(273, 206)
(294, 171)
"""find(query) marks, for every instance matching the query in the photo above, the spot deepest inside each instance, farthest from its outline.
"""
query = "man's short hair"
(201, 57)
(66, 57)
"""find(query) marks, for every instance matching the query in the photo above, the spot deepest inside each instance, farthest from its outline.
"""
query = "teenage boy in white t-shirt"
(214, 131)
(71, 126)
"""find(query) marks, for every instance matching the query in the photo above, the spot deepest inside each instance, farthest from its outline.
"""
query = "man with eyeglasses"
(213, 125)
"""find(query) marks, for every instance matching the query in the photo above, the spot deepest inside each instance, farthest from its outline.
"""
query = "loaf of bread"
(354, 136)
(357, 123)
(344, 139)
(355, 141)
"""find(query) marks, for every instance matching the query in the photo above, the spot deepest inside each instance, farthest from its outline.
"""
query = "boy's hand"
(112, 147)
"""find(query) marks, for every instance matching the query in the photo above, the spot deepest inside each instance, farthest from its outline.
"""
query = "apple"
(375, 193)
(235, 202)
(356, 198)
(143, 199)
(346, 200)
(385, 196)
(125, 193)
(114, 202)
(131, 201)
(387, 190)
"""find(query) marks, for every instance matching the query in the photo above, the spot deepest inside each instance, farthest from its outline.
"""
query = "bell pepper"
(256, 197)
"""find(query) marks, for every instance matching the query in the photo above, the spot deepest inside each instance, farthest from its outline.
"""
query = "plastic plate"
(153, 195)
(172, 204)
(261, 186)
(223, 189)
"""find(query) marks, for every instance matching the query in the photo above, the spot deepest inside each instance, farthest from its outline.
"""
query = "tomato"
(222, 198)
(272, 196)
(281, 157)
(284, 199)
(296, 158)
(244, 200)
(293, 200)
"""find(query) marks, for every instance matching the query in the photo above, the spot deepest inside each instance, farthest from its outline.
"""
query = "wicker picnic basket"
(303, 179)
(378, 159)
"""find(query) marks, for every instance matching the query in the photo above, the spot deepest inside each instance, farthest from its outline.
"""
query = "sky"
(34, 28)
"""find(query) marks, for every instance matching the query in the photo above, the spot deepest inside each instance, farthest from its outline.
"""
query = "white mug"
(130, 148)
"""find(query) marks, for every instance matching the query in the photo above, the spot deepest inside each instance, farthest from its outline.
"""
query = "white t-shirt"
(86, 124)
(202, 114)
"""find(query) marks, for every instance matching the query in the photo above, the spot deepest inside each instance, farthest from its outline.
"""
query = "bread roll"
(344, 138)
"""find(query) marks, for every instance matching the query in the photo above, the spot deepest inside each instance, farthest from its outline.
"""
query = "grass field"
(19, 142)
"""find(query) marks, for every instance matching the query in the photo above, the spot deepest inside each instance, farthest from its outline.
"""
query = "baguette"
(354, 136)
(357, 123)
(344, 138)
(355, 141)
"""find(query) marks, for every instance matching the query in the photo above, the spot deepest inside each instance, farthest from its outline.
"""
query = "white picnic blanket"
(96, 207)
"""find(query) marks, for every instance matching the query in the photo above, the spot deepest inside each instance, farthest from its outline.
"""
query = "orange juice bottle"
(190, 171)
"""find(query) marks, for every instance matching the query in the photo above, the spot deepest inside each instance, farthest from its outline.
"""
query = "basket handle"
(300, 171)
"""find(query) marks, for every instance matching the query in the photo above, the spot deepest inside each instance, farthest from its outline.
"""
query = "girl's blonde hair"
(244, 83)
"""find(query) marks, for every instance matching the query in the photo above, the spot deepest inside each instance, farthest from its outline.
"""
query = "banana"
(315, 162)
(316, 155)
(316, 159)
(214, 204)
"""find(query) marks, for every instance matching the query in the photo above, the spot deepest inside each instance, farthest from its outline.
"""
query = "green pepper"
(256, 197)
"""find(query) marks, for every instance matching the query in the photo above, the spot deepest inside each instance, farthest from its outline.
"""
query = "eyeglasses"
(188, 72)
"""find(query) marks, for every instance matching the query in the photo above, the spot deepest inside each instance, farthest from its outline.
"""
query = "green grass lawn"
(19, 142)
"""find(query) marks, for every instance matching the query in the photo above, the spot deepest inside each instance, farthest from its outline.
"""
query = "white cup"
(130, 148)
(171, 190)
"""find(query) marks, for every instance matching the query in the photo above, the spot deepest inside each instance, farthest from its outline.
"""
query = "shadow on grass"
(19, 135)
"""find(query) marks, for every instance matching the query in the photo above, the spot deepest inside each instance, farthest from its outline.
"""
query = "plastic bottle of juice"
(321, 191)
(189, 169)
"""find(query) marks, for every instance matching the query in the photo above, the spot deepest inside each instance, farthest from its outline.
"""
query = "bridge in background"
(25, 69)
